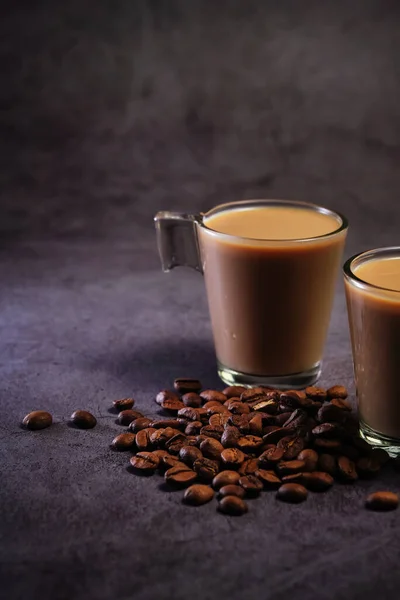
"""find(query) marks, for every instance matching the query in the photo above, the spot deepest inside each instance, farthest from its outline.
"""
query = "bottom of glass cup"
(378, 440)
(291, 381)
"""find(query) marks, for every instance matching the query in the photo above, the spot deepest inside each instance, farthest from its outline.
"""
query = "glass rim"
(365, 256)
(274, 202)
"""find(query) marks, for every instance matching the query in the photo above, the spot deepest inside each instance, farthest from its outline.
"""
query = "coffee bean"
(217, 409)
(168, 461)
(211, 448)
(327, 445)
(180, 475)
(291, 446)
(265, 405)
(213, 431)
(163, 423)
(231, 490)
(248, 467)
(292, 492)
(342, 404)
(274, 435)
(310, 457)
(38, 419)
(123, 404)
(200, 438)
(218, 420)
(346, 469)
(138, 423)
(241, 422)
(317, 481)
(270, 457)
(193, 428)
(382, 501)
(166, 395)
(337, 391)
(161, 436)
(238, 408)
(251, 485)
(189, 413)
(172, 405)
(213, 403)
(256, 425)
(294, 478)
(161, 454)
(143, 438)
(331, 413)
(176, 443)
(349, 451)
(316, 393)
(145, 462)
(269, 479)
(253, 394)
(83, 419)
(230, 436)
(189, 454)
(186, 385)
(192, 399)
(233, 390)
(249, 443)
(225, 478)
(288, 401)
(233, 506)
(367, 467)
(198, 494)
(327, 464)
(126, 417)
(290, 466)
(206, 468)
(123, 441)
(297, 419)
(328, 430)
(208, 395)
(232, 458)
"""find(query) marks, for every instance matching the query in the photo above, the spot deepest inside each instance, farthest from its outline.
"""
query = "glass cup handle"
(177, 240)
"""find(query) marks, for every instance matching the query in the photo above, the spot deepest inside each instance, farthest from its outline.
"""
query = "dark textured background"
(110, 111)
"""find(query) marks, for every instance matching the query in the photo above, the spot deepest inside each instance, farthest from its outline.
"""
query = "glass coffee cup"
(270, 269)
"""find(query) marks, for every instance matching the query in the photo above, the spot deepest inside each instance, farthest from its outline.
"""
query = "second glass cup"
(270, 269)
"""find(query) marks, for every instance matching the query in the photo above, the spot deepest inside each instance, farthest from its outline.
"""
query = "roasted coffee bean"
(316, 393)
(328, 430)
(193, 428)
(269, 479)
(208, 395)
(310, 457)
(251, 485)
(380, 455)
(292, 492)
(161, 454)
(200, 438)
(180, 476)
(349, 451)
(241, 422)
(213, 431)
(317, 481)
(161, 436)
(83, 419)
(265, 405)
(294, 478)
(212, 403)
(275, 435)
(282, 418)
(189, 413)
(256, 425)
(367, 467)
(298, 419)
(238, 408)
(233, 506)
(143, 441)
(253, 394)
(232, 458)
(225, 478)
(168, 461)
(346, 469)
(191, 440)
(327, 464)
(123, 441)
(126, 417)
(186, 385)
(218, 409)
(270, 457)
(175, 444)
(289, 401)
(337, 391)
(166, 395)
(123, 404)
(292, 446)
(206, 468)
(139, 424)
(327, 445)
(231, 490)
(172, 405)
(331, 413)
(145, 462)
(382, 501)
(233, 390)
(290, 466)
(218, 420)
(230, 436)
(163, 423)
(248, 467)
(189, 454)
(249, 443)
(192, 399)
(38, 419)
(212, 448)
(198, 494)
(342, 404)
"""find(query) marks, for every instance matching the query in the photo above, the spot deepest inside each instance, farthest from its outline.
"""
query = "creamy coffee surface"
(384, 272)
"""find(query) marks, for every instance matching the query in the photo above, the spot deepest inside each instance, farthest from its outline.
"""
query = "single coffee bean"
(206, 468)
(161, 436)
(256, 425)
(126, 417)
(212, 403)
(217, 409)
(250, 443)
(251, 484)
(163, 423)
(327, 464)
(231, 490)
(292, 446)
(137, 424)
(211, 448)
(193, 428)
(316, 393)
(200, 438)
(161, 454)
(310, 457)
(297, 419)
(241, 422)
(265, 405)
(189, 413)
(342, 404)
(172, 405)
(213, 431)
(145, 462)
(192, 399)
(38, 419)
(331, 413)
(83, 419)
(317, 481)
(189, 454)
(238, 408)
(186, 385)
(208, 395)
(123, 441)
(327, 445)
(232, 458)
(143, 438)
(275, 434)
(233, 390)
(291, 466)
(166, 395)
(337, 391)
(294, 478)
(292, 492)
(328, 430)
(346, 469)
(233, 506)
(269, 479)
(230, 436)
(253, 394)
(288, 401)
(198, 494)
(168, 461)
(248, 467)
(218, 420)
(367, 467)
(270, 457)
(225, 478)
(176, 443)
(180, 476)
(382, 501)
(123, 404)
